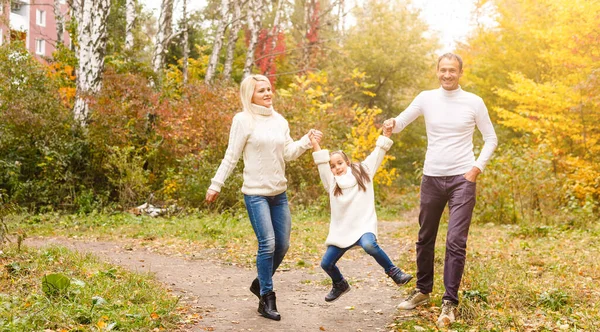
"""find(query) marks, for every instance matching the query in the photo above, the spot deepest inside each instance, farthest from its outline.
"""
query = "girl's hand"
(211, 196)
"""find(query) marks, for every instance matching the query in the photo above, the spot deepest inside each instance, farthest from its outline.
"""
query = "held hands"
(315, 137)
(211, 196)
(388, 126)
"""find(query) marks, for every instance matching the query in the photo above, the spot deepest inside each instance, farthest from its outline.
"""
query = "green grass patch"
(60, 290)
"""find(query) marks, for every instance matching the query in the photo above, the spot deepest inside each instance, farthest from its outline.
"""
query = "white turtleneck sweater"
(353, 212)
(263, 137)
(450, 120)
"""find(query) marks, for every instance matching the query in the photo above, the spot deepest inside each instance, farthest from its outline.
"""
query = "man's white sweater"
(263, 137)
(353, 212)
(450, 119)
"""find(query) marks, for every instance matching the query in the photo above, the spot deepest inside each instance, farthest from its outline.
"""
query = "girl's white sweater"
(263, 138)
(353, 212)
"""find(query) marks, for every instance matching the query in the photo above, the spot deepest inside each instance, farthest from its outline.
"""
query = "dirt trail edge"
(222, 296)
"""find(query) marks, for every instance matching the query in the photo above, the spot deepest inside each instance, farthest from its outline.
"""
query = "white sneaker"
(447, 316)
(414, 299)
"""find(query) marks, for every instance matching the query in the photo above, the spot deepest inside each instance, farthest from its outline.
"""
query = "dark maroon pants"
(436, 192)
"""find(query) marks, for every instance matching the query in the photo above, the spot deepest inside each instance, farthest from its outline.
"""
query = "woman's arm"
(235, 147)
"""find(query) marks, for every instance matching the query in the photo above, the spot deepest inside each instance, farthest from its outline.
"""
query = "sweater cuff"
(321, 156)
(305, 141)
(215, 185)
(479, 165)
(384, 142)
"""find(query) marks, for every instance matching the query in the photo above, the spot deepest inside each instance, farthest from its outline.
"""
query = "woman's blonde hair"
(247, 89)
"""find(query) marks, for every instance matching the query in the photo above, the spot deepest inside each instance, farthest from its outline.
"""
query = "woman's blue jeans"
(368, 242)
(272, 223)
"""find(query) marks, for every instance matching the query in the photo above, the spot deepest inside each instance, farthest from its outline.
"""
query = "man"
(449, 175)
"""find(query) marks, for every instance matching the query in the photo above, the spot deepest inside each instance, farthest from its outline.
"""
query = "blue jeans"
(272, 223)
(368, 243)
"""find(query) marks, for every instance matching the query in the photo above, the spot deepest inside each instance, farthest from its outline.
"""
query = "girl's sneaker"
(339, 288)
(399, 277)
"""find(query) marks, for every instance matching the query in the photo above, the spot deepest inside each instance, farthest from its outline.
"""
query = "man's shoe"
(255, 288)
(339, 288)
(414, 299)
(399, 277)
(267, 306)
(447, 316)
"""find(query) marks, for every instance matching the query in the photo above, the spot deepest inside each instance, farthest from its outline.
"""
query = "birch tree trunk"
(233, 38)
(186, 47)
(214, 56)
(60, 25)
(162, 36)
(130, 17)
(273, 35)
(308, 6)
(91, 38)
(254, 24)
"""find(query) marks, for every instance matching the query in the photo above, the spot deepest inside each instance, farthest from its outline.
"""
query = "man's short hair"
(451, 56)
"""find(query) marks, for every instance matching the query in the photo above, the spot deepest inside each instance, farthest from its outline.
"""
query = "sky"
(449, 18)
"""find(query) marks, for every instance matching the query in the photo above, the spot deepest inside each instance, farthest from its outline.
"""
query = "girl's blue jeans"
(368, 242)
(272, 223)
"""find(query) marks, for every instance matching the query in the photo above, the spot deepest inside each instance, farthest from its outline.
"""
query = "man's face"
(448, 73)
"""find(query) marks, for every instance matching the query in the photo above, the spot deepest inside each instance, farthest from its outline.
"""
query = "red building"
(33, 22)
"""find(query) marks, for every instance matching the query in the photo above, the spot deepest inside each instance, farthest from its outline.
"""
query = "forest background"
(150, 122)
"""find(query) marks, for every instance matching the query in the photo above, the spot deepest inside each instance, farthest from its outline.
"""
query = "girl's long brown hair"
(359, 171)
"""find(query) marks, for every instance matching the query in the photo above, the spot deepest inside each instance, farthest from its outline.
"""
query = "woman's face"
(263, 95)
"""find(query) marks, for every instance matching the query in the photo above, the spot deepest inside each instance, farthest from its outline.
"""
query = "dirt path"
(221, 294)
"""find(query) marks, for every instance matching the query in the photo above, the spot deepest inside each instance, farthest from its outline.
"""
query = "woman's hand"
(211, 196)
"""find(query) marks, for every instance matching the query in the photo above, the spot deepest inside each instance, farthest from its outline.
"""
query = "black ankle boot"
(339, 288)
(268, 306)
(255, 288)
(399, 277)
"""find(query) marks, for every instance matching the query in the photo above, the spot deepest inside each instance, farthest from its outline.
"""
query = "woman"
(263, 137)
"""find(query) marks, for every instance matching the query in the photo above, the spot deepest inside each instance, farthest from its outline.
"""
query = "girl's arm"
(383, 144)
(321, 158)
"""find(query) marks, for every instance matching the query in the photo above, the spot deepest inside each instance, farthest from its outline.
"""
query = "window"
(40, 17)
(40, 47)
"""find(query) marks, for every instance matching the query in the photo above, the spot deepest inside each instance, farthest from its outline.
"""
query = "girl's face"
(263, 95)
(338, 164)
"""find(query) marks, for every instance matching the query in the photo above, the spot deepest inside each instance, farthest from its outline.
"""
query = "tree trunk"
(254, 24)
(218, 43)
(273, 35)
(91, 38)
(307, 26)
(130, 17)
(186, 48)
(162, 36)
(233, 38)
(60, 26)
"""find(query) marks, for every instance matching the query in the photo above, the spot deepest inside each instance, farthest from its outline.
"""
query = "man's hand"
(390, 123)
(471, 175)
(387, 128)
(211, 196)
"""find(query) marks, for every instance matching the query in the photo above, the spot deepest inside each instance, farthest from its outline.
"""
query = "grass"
(98, 296)
(517, 277)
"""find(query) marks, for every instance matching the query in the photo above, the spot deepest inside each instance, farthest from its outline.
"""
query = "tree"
(218, 41)
(163, 35)
(130, 19)
(254, 15)
(91, 40)
(233, 38)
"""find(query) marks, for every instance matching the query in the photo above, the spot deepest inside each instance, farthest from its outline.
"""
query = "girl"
(262, 136)
(353, 218)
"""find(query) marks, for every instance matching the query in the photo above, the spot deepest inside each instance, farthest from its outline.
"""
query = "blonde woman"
(262, 136)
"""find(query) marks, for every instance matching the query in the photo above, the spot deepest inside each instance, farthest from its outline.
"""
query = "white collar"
(347, 180)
